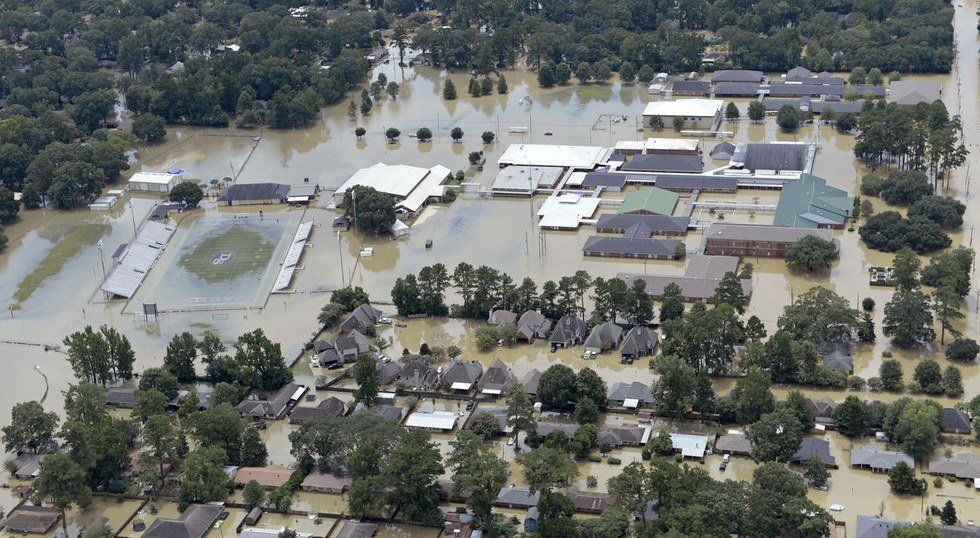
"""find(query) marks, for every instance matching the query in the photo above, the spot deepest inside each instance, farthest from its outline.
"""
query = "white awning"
(631, 403)
(461, 386)
(495, 392)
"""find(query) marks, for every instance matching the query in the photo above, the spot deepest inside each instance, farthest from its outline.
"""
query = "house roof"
(356, 529)
(700, 279)
(663, 162)
(811, 447)
(691, 87)
(756, 232)
(651, 199)
(737, 89)
(657, 224)
(393, 413)
(388, 371)
(499, 317)
(955, 421)
(544, 427)
(690, 446)
(777, 156)
(808, 202)
(963, 465)
(878, 458)
(324, 480)
(273, 406)
(270, 476)
(913, 92)
(517, 497)
(193, 523)
(418, 372)
(440, 420)
(562, 156)
(530, 381)
(639, 340)
(31, 519)
(498, 377)
(617, 436)
(872, 527)
(568, 328)
(736, 75)
(590, 501)
(604, 335)
(121, 396)
(328, 407)
(622, 391)
(822, 407)
(361, 317)
(254, 191)
(696, 108)
(736, 443)
(836, 354)
(457, 371)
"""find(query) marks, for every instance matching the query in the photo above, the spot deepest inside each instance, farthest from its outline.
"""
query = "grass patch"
(69, 246)
(233, 252)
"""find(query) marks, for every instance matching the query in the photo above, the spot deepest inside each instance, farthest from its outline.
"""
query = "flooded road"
(52, 267)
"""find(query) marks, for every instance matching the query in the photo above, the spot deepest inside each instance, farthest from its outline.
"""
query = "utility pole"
(340, 252)
(132, 214)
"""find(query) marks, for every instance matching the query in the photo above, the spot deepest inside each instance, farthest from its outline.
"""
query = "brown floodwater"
(51, 269)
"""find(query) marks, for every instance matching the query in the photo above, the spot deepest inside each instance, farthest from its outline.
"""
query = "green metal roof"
(651, 199)
(809, 202)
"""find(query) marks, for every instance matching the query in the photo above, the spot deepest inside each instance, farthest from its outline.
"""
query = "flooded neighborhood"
(276, 262)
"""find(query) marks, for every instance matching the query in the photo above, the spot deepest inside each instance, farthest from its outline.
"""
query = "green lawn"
(233, 252)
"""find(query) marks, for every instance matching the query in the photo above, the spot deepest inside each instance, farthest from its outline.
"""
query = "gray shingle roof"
(516, 497)
(691, 87)
(458, 371)
(878, 459)
(756, 232)
(497, 377)
(811, 447)
(193, 523)
(736, 75)
(955, 421)
(570, 328)
(657, 224)
(663, 162)
(629, 246)
(736, 89)
(254, 191)
(621, 391)
(771, 156)
(604, 336)
(639, 341)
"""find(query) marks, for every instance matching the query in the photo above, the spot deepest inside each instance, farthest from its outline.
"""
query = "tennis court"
(221, 260)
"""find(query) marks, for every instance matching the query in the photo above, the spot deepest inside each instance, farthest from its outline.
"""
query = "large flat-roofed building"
(824, 90)
(700, 114)
(736, 75)
(254, 194)
(756, 240)
(649, 201)
(570, 157)
(154, 181)
(913, 92)
(658, 146)
(772, 157)
(655, 224)
(410, 186)
(735, 89)
(526, 180)
(699, 281)
(566, 211)
(809, 202)
(658, 162)
(631, 247)
(692, 88)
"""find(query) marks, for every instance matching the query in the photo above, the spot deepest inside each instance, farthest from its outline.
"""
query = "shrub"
(962, 350)
(868, 304)
(613, 461)
(855, 382)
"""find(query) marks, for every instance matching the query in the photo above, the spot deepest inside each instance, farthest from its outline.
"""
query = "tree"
(501, 85)
(546, 468)
(258, 363)
(674, 391)
(487, 137)
(350, 297)
(811, 253)
(948, 514)
(222, 426)
(150, 127)
(901, 479)
(962, 350)
(62, 483)
(486, 338)
(671, 303)
(216, 364)
(818, 315)
(815, 470)
(908, 319)
(8, 206)
(456, 134)
(366, 375)
(905, 187)
(392, 134)
(755, 330)
(31, 429)
(890, 372)
(202, 477)
(928, 376)
(163, 442)
(392, 88)
(788, 118)
(448, 90)
(915, 530)
(557, 387)
(180, 357)
(678, 123)
(776, 436)
(410, 472)
(753, 397)
(359, 132)
(730, 291)
(801, 408)
(88, 355)
(372, 211)
(253, 494)
(188, 193)
(424, 134)
(851, 416)
(946, 304)
(945, 211)
(656, 122)
(866, 328)
(952, 383)
(630, 489)
(906, 269)
(586, 411)
(731, 112)
(478, 471)
(757, 111)
(917, 426)
(520, 411)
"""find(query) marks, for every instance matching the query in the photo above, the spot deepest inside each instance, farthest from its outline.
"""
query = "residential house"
(27, 519)
(689, 445)
(121, 397)
(620, 436)
(391, 413)
(814, 448)
(590, 502)
(327, 408)
(196, 520)
(836, 354)
(499, 317)
(388, 371)
(878, 459)
(639, 341)
(546, 426)
(360, 319)
(356, 529)
(28, 465)
(496, 380)
(275, 407)
(325, 482)
(569, 331)
(269, 477)
(531, 325)
(515, 497)
(873, 527)
(630, 395)
(964, 466)
(605, 336)
(736, 443)
(955, 421)
(436, 421)
(530, 382)
(461, 375)
(823, 409)
(418, 375)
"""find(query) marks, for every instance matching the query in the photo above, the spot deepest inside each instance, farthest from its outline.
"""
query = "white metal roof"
(396, 180)
(289, 262)
(430, 185)
(697, 108)
(123, 281)
(526, 178)
(298, 393)
(440, 420)
(495, 392)
(691, 446)
(631, 403)
(566, 211)
(459, 385)
(578, 157)
(663, 144)
(156, 178)
(140, 257)
(155, 234)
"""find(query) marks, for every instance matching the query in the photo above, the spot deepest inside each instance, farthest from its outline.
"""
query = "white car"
(837, 508)
(384, 321)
